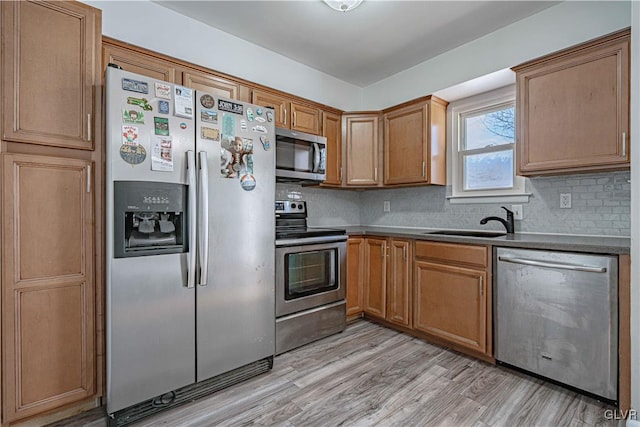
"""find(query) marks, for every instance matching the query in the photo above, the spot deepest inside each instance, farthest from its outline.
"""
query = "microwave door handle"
(203, 217)
(316, 157)
(192, 218)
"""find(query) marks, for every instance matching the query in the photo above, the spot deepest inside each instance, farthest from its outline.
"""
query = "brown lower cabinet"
(438, 291)
(48, 292)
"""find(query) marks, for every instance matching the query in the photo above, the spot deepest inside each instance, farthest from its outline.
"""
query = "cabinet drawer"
(464, 254)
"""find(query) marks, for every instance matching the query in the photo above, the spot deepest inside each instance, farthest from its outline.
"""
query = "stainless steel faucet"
(508, 223)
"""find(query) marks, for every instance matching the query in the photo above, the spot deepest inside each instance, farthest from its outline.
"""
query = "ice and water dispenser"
(150, 218)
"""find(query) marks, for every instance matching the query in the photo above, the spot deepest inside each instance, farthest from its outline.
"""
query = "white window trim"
(458, 195)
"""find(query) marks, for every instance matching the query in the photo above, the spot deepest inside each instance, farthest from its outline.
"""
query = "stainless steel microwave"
(300, 157)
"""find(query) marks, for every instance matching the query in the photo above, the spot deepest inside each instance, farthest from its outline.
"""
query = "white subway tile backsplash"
(600, 206)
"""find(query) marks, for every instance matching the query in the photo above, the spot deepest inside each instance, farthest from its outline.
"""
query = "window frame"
(475, 105)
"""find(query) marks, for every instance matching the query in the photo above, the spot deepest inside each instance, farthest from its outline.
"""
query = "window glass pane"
(489, 129)
(488, 170)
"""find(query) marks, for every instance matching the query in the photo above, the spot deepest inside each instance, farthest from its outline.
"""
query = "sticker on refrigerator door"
(140, 102)
(259, 128)
(228, 125)
(259, 111)
(266, 144)
(183, 125)
(135, 86)
(249, 114)
(243, 125)
(236, 156)
(209, 116)
(161, 125)
(161, 154)
(260, 119)
(183, 102)
(130, 135)
(247, 182)
(133, 154)
(207, 101)
(163, 90)
(269, 115)
(230, 107)
(132, 117)
(163, 107)
(210, 133)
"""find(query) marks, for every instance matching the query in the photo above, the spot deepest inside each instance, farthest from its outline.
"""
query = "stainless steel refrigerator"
(190, 243)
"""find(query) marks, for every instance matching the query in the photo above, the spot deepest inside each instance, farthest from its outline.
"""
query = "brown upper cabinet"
(332, 130)
(573, 109)
(209, 83)
(52, 48)
(415, 142)
(113, 52)
(360, 131)
(289, 114)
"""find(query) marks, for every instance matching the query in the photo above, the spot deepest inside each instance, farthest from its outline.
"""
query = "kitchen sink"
(468, 233)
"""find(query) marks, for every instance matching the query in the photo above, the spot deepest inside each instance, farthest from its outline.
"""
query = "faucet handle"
(509, 211)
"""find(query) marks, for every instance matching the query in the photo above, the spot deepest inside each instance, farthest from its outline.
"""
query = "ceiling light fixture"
(343, 5)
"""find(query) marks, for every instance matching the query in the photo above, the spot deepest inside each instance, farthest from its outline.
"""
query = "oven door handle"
(311, 240)
(191, 181)
(203, 217)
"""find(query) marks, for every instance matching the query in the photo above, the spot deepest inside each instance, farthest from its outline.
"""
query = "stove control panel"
(290, 206)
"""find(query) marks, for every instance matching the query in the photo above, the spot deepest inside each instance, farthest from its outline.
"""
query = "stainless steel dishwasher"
(556, 315)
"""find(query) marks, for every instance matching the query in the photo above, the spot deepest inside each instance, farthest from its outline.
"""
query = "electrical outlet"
(517, 212)
(565, 200)
(387, 206)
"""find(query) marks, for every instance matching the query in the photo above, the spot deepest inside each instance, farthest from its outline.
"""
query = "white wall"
(157, 28)
(552, 29)
(635, 206)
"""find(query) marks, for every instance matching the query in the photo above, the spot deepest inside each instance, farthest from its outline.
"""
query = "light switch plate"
(387, 206)
(517, 212)
(565, 200)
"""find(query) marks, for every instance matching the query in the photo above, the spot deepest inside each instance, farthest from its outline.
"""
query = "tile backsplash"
(600, 205)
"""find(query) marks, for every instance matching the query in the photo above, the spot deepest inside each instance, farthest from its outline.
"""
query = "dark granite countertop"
(592, 244)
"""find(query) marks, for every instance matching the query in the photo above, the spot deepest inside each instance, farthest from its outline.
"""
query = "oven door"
(309, 273)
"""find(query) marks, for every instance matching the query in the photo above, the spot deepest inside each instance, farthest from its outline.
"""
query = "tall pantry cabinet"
(51, 190)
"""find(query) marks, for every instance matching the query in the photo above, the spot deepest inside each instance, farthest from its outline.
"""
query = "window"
(483, 149)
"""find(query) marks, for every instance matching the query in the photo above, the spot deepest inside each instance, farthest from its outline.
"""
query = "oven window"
(308, 273)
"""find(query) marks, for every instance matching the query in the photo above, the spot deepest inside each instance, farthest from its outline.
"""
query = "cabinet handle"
(294, 119)
(284, 116)
(424, 168)
(88, 178)
(481, 285)
(382, 250)
(375, 174)
(624, 144)
(404, 253)
(341, 174)
(89, 127)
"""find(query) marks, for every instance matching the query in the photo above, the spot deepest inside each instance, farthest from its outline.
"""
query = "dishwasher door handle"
(547, 264)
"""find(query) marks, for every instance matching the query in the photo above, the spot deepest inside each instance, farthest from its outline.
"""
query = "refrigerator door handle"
(191, 181)
(203, 217)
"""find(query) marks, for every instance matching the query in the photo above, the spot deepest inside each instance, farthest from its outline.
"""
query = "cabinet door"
(355, 275)
(405, 145)
(375, 286)
(399, 284)
(332, 130)
(361, 136)
(51, 52)
(215, 85)
(140, 63)
(573, 111)
(48, 346)
(450, 303)
(305, 119)
(279, 105)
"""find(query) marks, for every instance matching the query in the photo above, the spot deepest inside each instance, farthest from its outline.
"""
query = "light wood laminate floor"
(370, 375)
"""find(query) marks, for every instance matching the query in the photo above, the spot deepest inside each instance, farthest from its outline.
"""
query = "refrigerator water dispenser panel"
(149, 218)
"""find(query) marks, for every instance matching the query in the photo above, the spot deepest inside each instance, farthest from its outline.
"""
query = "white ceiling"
(363, 46)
